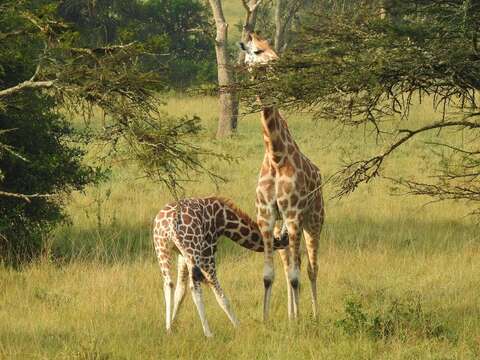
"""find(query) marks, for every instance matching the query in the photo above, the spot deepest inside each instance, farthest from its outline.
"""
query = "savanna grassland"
(398, 279)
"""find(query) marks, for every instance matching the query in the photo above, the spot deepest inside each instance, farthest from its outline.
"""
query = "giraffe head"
(258, 50)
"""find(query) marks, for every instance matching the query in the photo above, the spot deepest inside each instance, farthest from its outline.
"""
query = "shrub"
(401, 318)
(44, 161)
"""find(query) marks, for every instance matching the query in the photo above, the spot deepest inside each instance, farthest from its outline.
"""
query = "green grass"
(398, 279)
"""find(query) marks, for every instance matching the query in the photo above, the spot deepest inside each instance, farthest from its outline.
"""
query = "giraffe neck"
(275, 133)
(240, 228)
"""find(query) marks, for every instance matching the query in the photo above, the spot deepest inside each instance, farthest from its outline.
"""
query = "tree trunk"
(225, 119)
(249, 25)
(285, 11)
(280, 23)
(383, 10)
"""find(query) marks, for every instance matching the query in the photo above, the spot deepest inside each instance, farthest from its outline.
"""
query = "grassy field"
(398, 279)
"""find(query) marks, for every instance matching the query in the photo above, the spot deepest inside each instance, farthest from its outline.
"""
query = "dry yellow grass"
(411, 270)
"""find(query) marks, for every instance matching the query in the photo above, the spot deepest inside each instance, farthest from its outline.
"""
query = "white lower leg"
(290, 299)
(182, 274)
(178, 298)
(168, 292)
(268, 277)
(225, 305)
(313, 283)
(312, 275)
(294, 280)
(198, 300)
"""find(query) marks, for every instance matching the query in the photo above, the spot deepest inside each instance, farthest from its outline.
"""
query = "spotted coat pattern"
(289, 188)
(192, 227)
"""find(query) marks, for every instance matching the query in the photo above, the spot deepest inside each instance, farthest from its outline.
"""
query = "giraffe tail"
(282, 241)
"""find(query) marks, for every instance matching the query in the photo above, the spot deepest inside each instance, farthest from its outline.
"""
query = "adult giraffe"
(288, 189)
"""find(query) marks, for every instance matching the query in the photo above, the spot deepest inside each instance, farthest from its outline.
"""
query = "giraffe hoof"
(208, 334)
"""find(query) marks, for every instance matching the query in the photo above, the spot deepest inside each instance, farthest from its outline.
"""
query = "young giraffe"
(289, 189)
(193, 227)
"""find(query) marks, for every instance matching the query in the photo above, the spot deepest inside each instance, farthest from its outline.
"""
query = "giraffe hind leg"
(196, 278)
(163, 251)
(168, 291)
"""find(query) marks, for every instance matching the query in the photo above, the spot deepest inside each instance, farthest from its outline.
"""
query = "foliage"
(403, 319)
(175, 34)
(358, 68)
(82, 79)
(44, 68)
(45, 162)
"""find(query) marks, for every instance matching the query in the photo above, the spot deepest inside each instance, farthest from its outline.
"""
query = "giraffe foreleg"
(285, 257)
(294, 234)
(220, 295)
(266, 222)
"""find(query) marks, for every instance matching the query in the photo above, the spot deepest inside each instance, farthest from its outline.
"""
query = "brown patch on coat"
(293, 199)
(296, 159)
(187, 219)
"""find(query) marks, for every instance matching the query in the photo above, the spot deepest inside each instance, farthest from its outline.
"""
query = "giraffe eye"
(258, 52)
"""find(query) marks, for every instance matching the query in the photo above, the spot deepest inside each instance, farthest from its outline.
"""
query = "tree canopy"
(81, 78)
(363, 63)
(175, 34)
(50, 73)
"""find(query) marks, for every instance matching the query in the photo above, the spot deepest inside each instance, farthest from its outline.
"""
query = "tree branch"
(27, 85)
(25, 197)
(364, 170)
(253, 7)
(102, 50)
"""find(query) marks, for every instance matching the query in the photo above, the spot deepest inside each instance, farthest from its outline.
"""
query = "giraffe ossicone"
(290, 189)
(192, 227)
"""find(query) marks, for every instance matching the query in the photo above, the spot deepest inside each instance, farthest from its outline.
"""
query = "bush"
(402, 318)
(175, 34)
(44, 161)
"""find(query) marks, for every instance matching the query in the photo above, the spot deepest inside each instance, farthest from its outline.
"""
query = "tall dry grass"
(398, 279)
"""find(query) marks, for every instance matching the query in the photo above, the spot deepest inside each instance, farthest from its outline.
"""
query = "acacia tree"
(109, 77)
(360, 69)
(44, 68)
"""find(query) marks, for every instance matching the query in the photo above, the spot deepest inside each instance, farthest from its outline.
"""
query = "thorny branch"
(363, 171)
